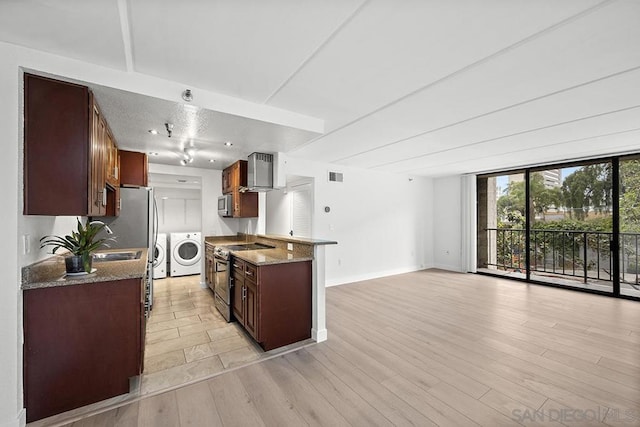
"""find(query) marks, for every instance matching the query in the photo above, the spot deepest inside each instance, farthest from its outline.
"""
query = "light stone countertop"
(277, 255)
(269, 256)
(50, 272)
(294, 239)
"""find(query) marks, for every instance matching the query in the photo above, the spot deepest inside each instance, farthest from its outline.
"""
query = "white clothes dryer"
(160, 257)
(186, 253)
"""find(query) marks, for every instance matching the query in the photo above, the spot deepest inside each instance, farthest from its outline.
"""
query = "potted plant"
(80, 244)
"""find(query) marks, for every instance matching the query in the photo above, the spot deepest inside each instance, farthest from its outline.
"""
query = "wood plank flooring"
(430, 348)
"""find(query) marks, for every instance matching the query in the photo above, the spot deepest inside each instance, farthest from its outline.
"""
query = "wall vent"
(335, 176)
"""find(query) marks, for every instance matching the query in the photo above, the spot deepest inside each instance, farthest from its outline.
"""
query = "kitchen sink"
(117, 256)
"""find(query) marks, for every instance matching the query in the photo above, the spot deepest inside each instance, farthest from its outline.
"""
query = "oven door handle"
(220, 263)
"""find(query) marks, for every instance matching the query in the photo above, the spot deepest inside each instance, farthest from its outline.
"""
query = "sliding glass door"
(573, 225)
(629, 202)
(501, 232)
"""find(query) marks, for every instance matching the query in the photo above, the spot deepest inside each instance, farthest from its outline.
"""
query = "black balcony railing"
(576, 253)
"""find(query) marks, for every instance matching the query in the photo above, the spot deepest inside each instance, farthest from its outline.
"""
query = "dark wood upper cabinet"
(66, 149)
(134, 169)
(234, 177)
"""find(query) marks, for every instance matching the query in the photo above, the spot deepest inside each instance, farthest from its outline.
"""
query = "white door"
(301, 198)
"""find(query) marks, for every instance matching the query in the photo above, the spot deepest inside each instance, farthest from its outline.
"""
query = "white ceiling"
(425, 87)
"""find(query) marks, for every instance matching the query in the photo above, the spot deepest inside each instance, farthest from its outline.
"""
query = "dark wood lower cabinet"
(273, 301)
(82, 343)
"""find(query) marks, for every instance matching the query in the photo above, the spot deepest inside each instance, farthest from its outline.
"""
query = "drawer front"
(238, 266)
(250, 272)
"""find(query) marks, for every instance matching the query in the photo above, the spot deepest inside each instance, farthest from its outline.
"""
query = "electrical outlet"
(289, 246)
(26, 244)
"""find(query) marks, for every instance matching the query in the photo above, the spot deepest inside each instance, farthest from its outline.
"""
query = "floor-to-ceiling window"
(629, 242)
(561, 225)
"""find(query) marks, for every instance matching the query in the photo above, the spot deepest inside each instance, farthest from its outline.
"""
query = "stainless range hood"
(260, 172)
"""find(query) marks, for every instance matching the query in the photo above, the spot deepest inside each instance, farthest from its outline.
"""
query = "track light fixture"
(169, 127)
(187, 95)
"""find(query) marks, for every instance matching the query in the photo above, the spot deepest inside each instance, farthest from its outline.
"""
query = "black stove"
(248, 247)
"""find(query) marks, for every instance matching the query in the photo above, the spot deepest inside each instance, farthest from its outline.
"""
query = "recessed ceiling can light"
(153, 153)
(187, 95)
(211, 160)
(228, 143)
(153, 131)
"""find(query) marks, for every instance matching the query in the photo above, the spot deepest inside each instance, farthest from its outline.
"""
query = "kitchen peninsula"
(83, 335)
(292, 269)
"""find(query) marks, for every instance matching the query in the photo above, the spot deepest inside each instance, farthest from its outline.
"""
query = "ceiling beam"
(317, 50)
(123, 10)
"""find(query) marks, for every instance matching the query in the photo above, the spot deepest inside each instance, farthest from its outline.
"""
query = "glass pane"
(571, 226)
(187, 251)
(501, 219)
(629, 227)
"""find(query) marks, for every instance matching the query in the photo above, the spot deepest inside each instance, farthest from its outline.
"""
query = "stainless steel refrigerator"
(136, 227)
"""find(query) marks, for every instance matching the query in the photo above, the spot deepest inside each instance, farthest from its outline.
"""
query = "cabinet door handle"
(244, 292)
(236, 266)
(104, 197)
(248, 273)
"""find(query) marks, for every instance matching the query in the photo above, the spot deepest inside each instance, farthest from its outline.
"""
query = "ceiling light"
(187, 95)
(169, 127)
(153, 131)
(183, 162)
(153, 153)
(190, 160)
(228, 144)
(190, 151)
(211, 160)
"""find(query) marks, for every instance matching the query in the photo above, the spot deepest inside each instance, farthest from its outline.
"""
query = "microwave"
(225, 205)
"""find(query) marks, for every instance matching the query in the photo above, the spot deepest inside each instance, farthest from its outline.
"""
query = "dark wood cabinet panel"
(134, 169)
(97, 164)
(56, 144)
(273, 302)
(112, 160)
(209, 270)
(284, 303)
(245, 205)
(251, 308)
(82, 343)
(226, 181)
(234, 178)
(237, 298)
(67, 147)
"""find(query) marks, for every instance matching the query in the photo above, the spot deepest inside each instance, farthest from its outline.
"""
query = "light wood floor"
(430, 348)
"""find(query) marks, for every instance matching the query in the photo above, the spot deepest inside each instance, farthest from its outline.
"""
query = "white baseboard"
(319, 335)
(20, 421)
(374, 275)
(447, 267)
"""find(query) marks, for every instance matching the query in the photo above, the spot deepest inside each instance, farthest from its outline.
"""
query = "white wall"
(382, 222)
(179, 209)
(447, 236)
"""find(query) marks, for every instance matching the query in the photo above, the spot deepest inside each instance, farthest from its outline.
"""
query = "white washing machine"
(160, 257)
(186, 253)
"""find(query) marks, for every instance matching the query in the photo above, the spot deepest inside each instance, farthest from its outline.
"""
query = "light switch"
(289, 246)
